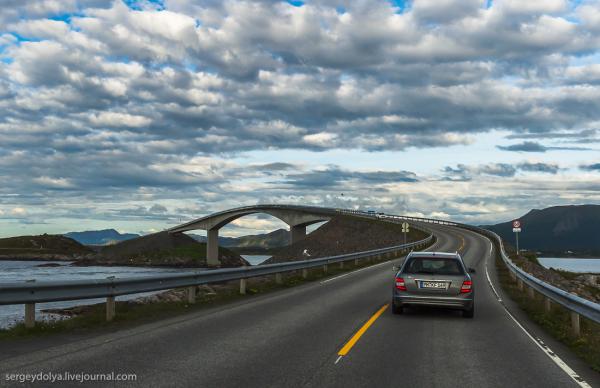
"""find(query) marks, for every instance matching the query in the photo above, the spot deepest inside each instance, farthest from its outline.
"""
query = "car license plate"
(425, 284)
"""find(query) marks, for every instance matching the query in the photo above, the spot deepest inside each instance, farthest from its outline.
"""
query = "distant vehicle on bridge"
(437, 279)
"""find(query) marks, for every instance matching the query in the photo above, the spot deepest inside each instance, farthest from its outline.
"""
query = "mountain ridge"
(100, 237)
(556, 229)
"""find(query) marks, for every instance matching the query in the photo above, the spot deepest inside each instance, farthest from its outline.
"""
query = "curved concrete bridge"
(297, 217)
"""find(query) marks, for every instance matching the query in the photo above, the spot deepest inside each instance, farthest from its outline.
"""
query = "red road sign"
(516, 224)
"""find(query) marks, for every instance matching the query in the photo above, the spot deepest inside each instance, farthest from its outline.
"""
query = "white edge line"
(355, 271)
(545, 348)
(338, 360)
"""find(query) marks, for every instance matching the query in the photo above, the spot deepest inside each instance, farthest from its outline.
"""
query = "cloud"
(531, 146)
(539, 167)
(333, 176)
(503, 170)
(590, 167)
(527, 146)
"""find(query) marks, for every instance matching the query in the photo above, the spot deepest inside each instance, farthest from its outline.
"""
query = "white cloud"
(116, 119)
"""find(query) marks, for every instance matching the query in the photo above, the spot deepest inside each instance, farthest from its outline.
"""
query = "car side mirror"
(472, 270)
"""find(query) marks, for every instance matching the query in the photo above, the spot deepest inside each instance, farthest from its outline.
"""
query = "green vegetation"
(524, 256)
(556, 322)
(42, 244)
(131, 314)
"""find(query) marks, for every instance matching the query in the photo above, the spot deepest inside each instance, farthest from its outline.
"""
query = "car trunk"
(451, 283)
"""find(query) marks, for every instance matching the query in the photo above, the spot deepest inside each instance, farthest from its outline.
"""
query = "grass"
(557, 322)
(128, 314)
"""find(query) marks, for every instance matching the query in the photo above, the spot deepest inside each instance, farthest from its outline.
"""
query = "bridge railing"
(32, 292)
(577, 305)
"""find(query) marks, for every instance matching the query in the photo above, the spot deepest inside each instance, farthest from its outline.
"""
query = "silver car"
(437, 279)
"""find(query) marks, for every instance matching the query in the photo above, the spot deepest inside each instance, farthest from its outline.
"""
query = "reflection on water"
(571, 264)
(255, 259)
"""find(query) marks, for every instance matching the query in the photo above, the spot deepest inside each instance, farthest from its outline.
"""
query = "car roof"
(449, 255)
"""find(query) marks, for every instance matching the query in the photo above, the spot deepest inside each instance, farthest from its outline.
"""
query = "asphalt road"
(291, 338)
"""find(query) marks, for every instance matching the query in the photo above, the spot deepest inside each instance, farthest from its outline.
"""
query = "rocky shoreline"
(584, 285)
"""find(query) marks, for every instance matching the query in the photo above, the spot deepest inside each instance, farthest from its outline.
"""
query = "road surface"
(291, 338)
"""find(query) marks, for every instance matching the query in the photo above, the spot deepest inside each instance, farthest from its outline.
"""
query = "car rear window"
(434, 266)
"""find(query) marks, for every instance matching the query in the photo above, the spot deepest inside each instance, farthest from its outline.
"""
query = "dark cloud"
(466, 173)
(531, 146)
(527, 146)
(590, 167)
(539, 167)
(334, 177)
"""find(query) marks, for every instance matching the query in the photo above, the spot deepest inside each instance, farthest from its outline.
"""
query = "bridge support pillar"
(212, 247)
(297, 233)
(29, 315)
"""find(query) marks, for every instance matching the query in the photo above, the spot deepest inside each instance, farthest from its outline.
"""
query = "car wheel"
(397, 309)
(469, 313)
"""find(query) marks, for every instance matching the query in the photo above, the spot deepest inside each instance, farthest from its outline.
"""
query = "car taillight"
(466, 287)
(400, 284)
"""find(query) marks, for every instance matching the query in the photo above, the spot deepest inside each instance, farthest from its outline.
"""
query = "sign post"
(517, 229)
(405, 230)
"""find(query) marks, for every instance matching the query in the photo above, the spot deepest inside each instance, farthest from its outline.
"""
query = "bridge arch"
(297, 218)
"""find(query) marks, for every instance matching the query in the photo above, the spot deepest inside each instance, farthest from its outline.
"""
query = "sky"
(140, 115)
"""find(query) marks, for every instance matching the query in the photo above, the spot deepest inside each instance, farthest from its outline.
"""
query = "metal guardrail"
(32, 292)
(52, 291)
(574, 303)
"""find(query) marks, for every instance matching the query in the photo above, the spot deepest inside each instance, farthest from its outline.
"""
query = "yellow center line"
(361, 331)
(462, 243)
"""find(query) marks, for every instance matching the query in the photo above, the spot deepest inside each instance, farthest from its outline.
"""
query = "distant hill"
(345, 234)
(557, 229)
(275, 239)
(100, 237)
(46, 246)
(162, 249)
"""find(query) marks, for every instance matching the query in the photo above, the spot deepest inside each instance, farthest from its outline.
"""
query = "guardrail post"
(530, 292)
(325, 268)
(29, 315)
(243, 286)
(520, 284)
(305, 273)
(341, 265)
(110, 308)
(278, 278)
(30, 311)
(355, 261)
(513, 276)
(547, 304)
(575, 324)
(191, 294)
